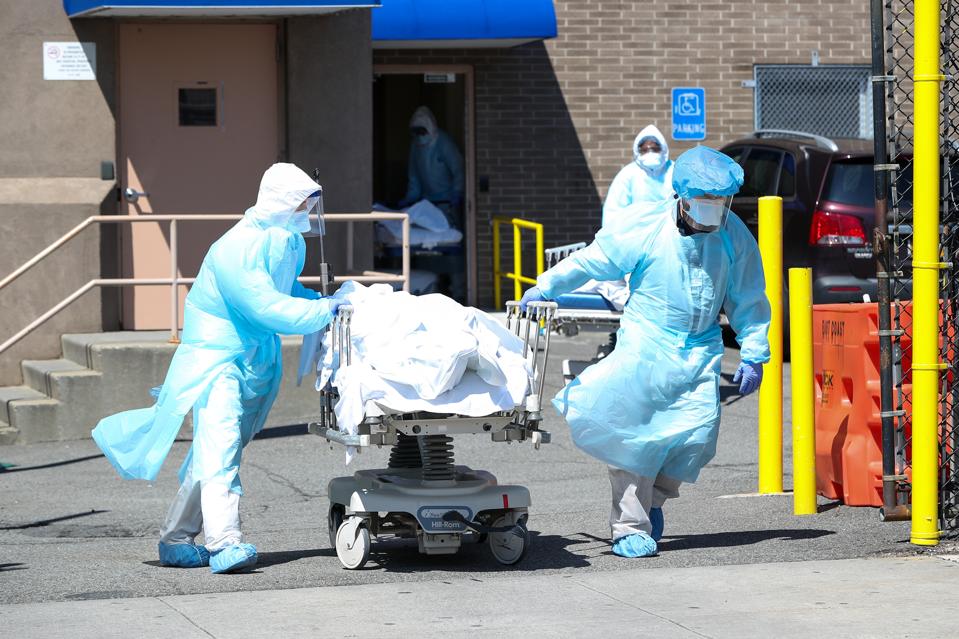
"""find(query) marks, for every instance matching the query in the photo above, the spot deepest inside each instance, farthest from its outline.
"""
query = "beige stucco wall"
(53, 136)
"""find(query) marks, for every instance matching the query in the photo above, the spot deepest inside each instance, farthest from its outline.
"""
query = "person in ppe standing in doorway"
(435, 168)
(650, 409)
(436, 174)
(648, 178)
(227, 370)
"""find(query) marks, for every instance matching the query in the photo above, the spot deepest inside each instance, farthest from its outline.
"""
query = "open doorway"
(442, 258)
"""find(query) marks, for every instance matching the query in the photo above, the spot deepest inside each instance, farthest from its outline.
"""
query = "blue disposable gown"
(435, 171)
(245, 294)
(652, 405)
(633, 185)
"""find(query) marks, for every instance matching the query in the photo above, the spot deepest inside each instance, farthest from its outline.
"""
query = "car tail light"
(836, 229)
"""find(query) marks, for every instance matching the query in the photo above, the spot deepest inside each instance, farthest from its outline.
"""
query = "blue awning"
(82, 8)
(462, 23)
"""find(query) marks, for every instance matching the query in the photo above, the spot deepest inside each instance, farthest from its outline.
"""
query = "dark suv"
(828, 196)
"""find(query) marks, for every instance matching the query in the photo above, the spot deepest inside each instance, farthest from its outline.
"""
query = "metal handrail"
(174, 281)
(517, 274)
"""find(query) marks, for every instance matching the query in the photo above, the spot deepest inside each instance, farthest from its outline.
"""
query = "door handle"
(132, 195)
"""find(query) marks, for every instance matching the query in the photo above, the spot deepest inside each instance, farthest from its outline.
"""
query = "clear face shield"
(313, 207)
(706, 214)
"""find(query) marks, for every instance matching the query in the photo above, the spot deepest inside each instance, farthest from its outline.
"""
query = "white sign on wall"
(69, 61)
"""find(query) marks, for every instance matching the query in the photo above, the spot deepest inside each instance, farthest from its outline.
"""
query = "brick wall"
(555, 120)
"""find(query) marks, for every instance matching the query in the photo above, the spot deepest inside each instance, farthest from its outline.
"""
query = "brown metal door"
(198, 126)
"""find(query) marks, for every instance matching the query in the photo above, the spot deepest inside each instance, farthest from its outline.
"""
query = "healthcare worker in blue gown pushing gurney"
(650, 409)
(227, 370)
(648, 178)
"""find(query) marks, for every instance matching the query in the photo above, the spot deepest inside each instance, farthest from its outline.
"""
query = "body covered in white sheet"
(425, 353)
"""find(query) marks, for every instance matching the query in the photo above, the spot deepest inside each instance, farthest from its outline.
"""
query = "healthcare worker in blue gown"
(227, 370)
(650, 409)
(435, 173)
(648, 178)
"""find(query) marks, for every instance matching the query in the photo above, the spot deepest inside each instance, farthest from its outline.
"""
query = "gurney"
(579, 309)
(422, 493)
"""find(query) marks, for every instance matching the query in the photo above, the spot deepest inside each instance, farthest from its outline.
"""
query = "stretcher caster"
(509, 547)
(334, 518)
(353, 543)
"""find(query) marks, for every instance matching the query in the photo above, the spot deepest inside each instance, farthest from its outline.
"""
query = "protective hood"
(705, 171)
(283, 189)
(424, 117)
(651, 132)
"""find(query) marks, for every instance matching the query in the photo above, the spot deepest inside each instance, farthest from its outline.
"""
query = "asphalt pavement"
(71, 530)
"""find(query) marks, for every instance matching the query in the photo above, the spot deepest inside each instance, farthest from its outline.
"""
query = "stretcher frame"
(422, 494)
(570, 320)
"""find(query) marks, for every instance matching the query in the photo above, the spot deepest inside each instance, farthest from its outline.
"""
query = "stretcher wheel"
(352, 544)
(509, 547)
(333, 519)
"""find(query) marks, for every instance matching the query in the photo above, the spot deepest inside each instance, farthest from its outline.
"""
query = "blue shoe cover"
(638, 545)
(233, 558)
(656, 519)
(183, 555)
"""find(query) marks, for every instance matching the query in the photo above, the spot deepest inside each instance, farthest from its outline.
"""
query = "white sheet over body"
(428, 226)
(425, 353)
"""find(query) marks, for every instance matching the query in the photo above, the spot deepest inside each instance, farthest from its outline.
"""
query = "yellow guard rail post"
(925, 278)
(771, 390)
(517, 274)
(803, 391)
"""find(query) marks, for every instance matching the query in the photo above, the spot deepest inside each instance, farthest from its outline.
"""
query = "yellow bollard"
(925, 278)
(803, 391)
(771, 390)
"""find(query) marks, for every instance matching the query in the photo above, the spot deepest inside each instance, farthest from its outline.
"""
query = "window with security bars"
(834, 101)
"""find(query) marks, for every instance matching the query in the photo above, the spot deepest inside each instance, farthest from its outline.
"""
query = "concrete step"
(104, 373)
(42, 375)
(14, 393)
(82, 347)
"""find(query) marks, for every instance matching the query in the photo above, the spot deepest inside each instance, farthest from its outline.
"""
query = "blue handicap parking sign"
(689, 113)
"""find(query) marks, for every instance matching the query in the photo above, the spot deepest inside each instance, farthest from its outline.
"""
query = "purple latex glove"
(749, 376)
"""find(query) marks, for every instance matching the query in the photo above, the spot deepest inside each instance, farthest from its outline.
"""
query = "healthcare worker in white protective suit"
(650, 409)
(227, 370)
(648, 178)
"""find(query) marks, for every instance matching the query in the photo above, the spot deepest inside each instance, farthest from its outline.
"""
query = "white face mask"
(651, 160)
(301, 220)
(706, 214)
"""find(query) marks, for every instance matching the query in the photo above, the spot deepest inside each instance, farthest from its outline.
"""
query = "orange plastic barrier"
(848, 425)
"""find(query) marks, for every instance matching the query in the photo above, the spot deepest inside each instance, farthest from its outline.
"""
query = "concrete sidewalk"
(886, 597)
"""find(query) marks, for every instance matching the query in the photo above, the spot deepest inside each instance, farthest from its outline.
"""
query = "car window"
(736, 153)
(787, 177)
(761, 168)
(850, 183)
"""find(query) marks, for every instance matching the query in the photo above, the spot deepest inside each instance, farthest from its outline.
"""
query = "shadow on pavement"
(6, 567)
(288, 556)
(273, 432)
(46, 522)
(545, 552)
(732, 539)
(65, 462)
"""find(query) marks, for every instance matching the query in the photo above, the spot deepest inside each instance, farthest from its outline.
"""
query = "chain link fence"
(834, 101)
(898, 132)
